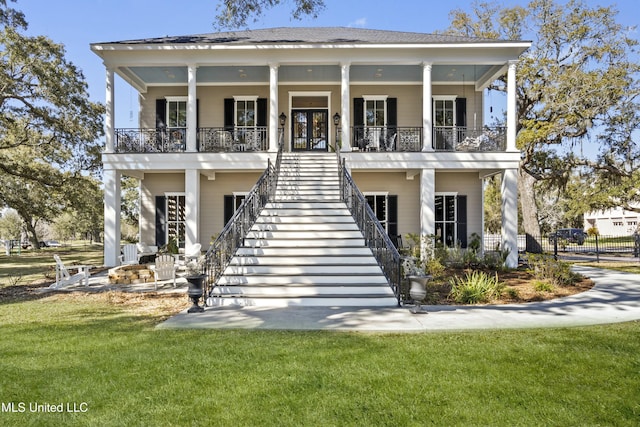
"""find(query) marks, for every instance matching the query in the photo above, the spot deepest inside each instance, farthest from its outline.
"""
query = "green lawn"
(101, 358)
(122, 371)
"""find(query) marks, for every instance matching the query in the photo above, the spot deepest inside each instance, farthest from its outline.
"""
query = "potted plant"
(195, 278)
(413, 271)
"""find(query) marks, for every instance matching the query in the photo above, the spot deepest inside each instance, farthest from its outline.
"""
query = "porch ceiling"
(145, 76)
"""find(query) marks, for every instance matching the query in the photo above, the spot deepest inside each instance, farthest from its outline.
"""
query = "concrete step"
(302, 270)
(315, 301)
(303, 243)
(316, 260)
(304, 220)
(302, 291)
(322, 235)
(343, 252)
(298, 280)
(310, 226)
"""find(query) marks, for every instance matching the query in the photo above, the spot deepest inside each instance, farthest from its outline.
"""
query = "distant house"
(405, 109)
(613, 222)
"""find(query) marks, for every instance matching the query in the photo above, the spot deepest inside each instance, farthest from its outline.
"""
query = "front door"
(309, 129)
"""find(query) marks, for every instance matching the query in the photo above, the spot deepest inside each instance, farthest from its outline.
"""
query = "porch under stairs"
(305, 249)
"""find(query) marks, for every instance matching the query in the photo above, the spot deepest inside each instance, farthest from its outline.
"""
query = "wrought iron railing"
(232, 235)
(233, 139)
(461, 138)
(164, 140)
(375, 236)
(150, 140)
(386, 138)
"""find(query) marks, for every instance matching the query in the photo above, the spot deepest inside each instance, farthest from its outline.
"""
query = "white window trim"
(244, 98)
(386, 205)
(170, 99)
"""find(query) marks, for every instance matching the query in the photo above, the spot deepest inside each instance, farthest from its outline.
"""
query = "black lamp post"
(336, 122)
(283, 119)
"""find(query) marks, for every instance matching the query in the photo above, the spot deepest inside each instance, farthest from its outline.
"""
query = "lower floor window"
(176, 218)
(385, 207)
(231, 204)
(451, 220)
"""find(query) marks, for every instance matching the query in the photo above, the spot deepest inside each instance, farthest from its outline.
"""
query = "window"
(443, 110)
(175, 218)
(176, 112)
(375, 111)
(246, 112)
(451, 220)
(232, 203)
(385, 207)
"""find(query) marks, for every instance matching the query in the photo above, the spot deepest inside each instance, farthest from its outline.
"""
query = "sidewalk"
(614, 298)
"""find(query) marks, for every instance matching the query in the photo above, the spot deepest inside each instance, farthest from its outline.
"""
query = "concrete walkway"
(614, 298)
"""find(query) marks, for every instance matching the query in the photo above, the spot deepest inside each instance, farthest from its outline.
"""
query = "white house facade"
(405, 110)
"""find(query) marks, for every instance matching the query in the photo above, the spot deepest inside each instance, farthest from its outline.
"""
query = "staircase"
(305, 248)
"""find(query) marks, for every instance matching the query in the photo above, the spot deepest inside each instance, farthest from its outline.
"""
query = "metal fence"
(589, 247)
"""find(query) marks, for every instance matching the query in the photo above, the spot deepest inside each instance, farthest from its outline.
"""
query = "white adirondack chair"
(129, 255)
(164, 269)
(64, 278)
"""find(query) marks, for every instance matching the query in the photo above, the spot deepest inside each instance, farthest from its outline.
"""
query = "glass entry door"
(309, 130)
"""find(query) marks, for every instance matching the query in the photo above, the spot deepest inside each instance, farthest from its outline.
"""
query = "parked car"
(569, 235)
(52, 243)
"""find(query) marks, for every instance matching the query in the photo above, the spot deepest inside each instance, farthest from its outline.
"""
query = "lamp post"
(283, 119)
(336, 122)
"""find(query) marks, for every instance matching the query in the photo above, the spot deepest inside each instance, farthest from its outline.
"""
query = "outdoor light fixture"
(336, 119)
(283, 119)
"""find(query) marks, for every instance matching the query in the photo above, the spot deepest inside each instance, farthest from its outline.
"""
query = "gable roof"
(310, 35)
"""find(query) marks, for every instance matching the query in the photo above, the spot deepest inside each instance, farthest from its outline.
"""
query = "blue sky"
(76, 24)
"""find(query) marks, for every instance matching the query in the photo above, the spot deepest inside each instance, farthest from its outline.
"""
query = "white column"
(112, 193)
(427, 108)
(109, 129)
(510, 215)
(427, 206)
(192, 110)
(192, 206)
(512, 107)
(344, 108)
(274, 121)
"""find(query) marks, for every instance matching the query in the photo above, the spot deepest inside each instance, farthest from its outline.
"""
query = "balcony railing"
(386, 138)
(174, 140)
(233, 139)
(364, 138)
(150, 140)
(457, 138)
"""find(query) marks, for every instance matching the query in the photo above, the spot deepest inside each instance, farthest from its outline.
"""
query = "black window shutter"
(262, 112)
(461, 111)
(392, 112)
(161, 113)
(462, 220)
(229, 209)
(358, 111)
(392, 215)
(161, 221)
(229, 106)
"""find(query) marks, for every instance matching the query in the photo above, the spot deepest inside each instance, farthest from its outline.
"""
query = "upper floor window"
(375, 110)
(246, 111)
(444, 111)
(176, 112)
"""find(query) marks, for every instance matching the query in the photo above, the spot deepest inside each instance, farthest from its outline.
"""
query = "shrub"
(542, 286)
(475, 287)
(557, 273)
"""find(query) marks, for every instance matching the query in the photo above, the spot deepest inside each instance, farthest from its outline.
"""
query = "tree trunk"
(529, 211)
(33, 236)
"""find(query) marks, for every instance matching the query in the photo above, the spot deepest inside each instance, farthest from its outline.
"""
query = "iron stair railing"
(375, 236)
(232, 235)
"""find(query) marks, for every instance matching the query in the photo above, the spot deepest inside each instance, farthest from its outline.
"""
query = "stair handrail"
(375, 236)
(232, 236)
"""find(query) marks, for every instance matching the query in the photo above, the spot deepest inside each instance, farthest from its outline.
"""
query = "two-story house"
(404, 109)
